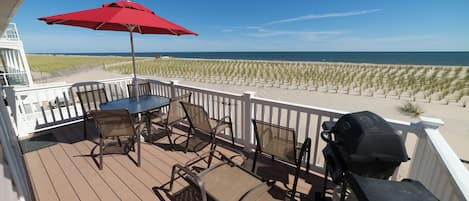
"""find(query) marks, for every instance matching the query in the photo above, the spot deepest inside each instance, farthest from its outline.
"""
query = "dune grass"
(52, 64)
(413, 109)
(401, 81)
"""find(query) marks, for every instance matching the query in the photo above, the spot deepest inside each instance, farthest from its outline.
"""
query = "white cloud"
(316, 34)
(321, 16)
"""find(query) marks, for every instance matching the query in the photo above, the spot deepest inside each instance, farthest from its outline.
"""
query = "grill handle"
(326, 134)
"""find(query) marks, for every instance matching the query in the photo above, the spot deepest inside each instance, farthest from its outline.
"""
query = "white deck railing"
(433, 162)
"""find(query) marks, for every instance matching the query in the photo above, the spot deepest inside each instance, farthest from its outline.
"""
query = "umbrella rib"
(170, 30)
(100, 25)
(139, 29)
(58, 21)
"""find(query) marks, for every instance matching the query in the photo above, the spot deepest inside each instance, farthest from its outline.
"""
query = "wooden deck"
(66, 171)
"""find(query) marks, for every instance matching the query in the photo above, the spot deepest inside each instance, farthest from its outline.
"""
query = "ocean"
(406, 58)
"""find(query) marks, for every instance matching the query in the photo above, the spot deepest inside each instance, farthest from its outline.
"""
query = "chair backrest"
(197, 116)
(112, 123)
(91, 99)
(275, 140)
(143, 89)
(176, 112)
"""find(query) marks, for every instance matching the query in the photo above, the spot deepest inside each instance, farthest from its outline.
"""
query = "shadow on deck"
(62, 168)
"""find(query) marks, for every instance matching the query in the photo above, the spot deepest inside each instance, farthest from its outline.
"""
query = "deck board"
(90, 174)
(113, 180)
(67, 171)
(78, 182)
(42, 184)
(61, 183)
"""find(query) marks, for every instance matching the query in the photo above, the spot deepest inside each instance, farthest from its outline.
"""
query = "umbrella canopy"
(120, 16)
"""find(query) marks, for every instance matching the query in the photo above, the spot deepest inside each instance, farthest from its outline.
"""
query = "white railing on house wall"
(13, 58)
(11, 33)
(15, 78)
(433, 161)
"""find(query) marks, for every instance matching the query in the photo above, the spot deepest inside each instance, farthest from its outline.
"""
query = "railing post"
(248, 135)
(433, 145)
(419, 149)
(173, 87)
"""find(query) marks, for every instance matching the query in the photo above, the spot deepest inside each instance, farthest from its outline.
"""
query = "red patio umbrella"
(120, 16)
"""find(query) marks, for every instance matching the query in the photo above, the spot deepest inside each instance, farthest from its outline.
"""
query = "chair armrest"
(225, 119)
(220, 157)
(238, 153)
(177, 168)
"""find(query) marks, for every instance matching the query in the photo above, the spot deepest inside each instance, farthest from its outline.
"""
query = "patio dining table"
(141, 105)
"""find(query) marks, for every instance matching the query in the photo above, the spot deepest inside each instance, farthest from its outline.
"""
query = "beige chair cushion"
(228, 183)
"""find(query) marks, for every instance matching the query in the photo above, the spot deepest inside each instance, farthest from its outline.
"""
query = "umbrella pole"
(135, 81)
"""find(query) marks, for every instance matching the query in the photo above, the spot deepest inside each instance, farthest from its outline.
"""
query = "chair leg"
(139, 149)
(101, 149)
(170, 132)
(254, 161)
(187, 141)
(232, 134)
(308, 159)
(119, 141)
(295, 181)
(85, 132)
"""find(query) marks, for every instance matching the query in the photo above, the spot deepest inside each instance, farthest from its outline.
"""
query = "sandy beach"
(455, 130)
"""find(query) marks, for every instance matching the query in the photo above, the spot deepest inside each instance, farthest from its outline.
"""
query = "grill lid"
(367, 137)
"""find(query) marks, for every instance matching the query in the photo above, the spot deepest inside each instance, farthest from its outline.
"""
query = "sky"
(262, 25)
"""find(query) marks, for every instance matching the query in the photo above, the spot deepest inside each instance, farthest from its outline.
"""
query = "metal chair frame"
(305, 151)
(212, 131)
(85, 99)
(134, 136)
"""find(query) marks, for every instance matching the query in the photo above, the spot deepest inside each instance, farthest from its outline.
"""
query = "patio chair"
(281, 142)
(174, 115)
(226, 180)
(143, 89)
(90, 100)
(116, 124)
(199, 120)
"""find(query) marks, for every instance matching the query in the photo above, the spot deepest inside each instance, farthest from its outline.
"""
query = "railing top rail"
(299, 106)
(403, 125)
(66, 85)
(216, 92)
(156, 81)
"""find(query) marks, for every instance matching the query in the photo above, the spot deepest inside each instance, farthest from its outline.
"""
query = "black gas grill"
(364, 144)
(363, 150)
